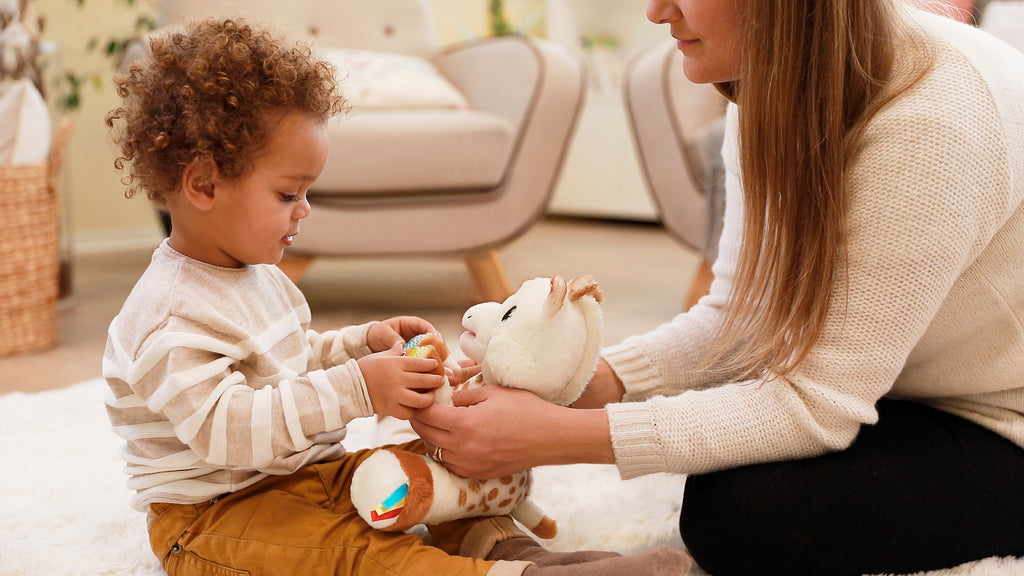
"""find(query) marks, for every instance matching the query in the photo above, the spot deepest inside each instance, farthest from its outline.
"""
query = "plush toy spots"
(545, 338)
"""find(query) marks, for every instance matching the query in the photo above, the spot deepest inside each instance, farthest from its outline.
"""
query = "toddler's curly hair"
(209, 93)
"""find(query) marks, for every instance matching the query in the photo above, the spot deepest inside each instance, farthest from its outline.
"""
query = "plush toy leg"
(530, 515)
(456, 497)
(393, 489)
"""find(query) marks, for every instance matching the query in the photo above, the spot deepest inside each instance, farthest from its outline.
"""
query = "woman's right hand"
(493, 431)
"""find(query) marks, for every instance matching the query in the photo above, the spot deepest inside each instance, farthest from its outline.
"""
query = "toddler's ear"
(197, 182)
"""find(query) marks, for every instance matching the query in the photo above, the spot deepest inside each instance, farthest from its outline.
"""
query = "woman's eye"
(508, 314)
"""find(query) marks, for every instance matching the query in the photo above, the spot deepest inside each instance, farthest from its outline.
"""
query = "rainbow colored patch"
(392, 506)
(415, 341)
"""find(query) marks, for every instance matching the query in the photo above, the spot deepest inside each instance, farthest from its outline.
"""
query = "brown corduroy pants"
(305, 523)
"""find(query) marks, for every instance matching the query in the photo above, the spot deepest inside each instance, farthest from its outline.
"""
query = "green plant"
(499, 21)
(24, 53)
(500, 25)
(113, 48)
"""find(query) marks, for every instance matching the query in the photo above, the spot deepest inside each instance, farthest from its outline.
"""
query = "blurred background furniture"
(413, 168)
(677, 128)
(1004, 19)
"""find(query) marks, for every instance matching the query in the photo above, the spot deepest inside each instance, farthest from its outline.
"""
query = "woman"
(849, 398)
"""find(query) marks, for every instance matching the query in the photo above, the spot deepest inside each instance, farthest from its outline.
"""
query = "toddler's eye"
(508, 314)
(289, 197)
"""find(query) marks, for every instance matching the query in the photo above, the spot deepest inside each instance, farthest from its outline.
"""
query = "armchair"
(677, 128)
(427, 178)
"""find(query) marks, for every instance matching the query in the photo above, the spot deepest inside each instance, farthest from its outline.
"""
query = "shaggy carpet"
(65, 512)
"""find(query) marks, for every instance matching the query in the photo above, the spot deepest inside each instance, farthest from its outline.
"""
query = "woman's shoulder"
(964, 59)
(959, 87)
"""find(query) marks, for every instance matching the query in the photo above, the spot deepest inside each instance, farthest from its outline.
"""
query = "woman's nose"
(662, 11)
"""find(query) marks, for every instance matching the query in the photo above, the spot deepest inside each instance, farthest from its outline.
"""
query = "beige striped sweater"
(217, 381)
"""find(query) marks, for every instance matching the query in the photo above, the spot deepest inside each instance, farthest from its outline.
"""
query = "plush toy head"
(544, 338)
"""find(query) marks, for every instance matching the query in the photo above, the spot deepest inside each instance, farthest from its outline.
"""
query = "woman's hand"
(384, 334)
(467, 369)
(494, 431)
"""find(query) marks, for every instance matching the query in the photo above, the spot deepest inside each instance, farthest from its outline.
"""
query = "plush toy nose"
(479, 316)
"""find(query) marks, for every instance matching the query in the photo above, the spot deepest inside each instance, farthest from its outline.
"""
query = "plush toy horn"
(557, 295)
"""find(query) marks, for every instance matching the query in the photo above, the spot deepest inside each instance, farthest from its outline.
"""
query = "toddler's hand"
(384, 334)
(398, 384)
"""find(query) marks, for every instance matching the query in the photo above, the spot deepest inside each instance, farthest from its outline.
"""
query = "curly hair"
(210, 92)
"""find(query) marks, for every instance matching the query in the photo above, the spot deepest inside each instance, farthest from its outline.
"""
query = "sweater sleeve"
(336, 347)
(916, 222)
(231, 415)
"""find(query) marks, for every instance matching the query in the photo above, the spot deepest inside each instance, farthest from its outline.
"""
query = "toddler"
(231, 408)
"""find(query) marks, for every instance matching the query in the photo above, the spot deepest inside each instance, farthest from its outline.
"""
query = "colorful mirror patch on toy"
(392, 505)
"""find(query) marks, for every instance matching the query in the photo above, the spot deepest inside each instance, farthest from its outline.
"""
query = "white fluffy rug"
(64, 510)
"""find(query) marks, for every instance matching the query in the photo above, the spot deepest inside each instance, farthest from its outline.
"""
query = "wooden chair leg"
(294, 266)
(699, 285)
(488, 275)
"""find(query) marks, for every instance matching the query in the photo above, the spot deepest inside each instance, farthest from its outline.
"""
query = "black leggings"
(921, 490)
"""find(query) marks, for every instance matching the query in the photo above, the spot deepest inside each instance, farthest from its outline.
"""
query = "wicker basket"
(29, 251)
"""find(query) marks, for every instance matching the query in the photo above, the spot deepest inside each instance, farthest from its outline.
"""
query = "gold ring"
(437, 455)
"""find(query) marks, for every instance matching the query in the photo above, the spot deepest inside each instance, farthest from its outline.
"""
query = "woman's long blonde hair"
(814, 73)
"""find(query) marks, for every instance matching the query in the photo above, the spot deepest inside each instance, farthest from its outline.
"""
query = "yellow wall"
(98, 217)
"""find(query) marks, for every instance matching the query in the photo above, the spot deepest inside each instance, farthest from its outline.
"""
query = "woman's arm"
(604, 388)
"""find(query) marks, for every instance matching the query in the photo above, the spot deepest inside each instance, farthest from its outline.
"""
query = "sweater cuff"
(351, 343)
(351, 389)
(636, 371)
(635, 440)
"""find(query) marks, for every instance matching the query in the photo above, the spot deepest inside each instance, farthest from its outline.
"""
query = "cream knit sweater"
(216, 380)
(935, 309)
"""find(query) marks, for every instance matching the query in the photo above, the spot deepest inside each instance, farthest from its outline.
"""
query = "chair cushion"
(377, 151)
(372, 79)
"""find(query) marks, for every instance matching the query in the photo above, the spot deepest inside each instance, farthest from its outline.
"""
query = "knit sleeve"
(335, 347)
(928, 189)
(236, 417)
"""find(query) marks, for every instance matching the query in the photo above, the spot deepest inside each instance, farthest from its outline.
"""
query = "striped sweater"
(931, 307)
(217, 381)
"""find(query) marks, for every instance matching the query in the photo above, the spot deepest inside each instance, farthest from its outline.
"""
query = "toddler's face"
(260, 211)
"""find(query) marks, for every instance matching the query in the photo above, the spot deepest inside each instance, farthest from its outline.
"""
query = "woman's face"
(709, 33)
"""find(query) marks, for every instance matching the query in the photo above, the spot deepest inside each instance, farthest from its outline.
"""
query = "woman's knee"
(736, 521)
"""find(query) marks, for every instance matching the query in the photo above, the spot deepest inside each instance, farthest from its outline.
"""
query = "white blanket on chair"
(64, 507)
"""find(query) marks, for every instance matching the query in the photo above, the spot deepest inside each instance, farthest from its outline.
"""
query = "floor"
(642, 271)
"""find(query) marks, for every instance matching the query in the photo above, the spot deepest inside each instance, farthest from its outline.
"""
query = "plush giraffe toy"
(544, 338)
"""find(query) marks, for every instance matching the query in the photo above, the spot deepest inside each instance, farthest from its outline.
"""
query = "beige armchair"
(677, 131)
(421, 178)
